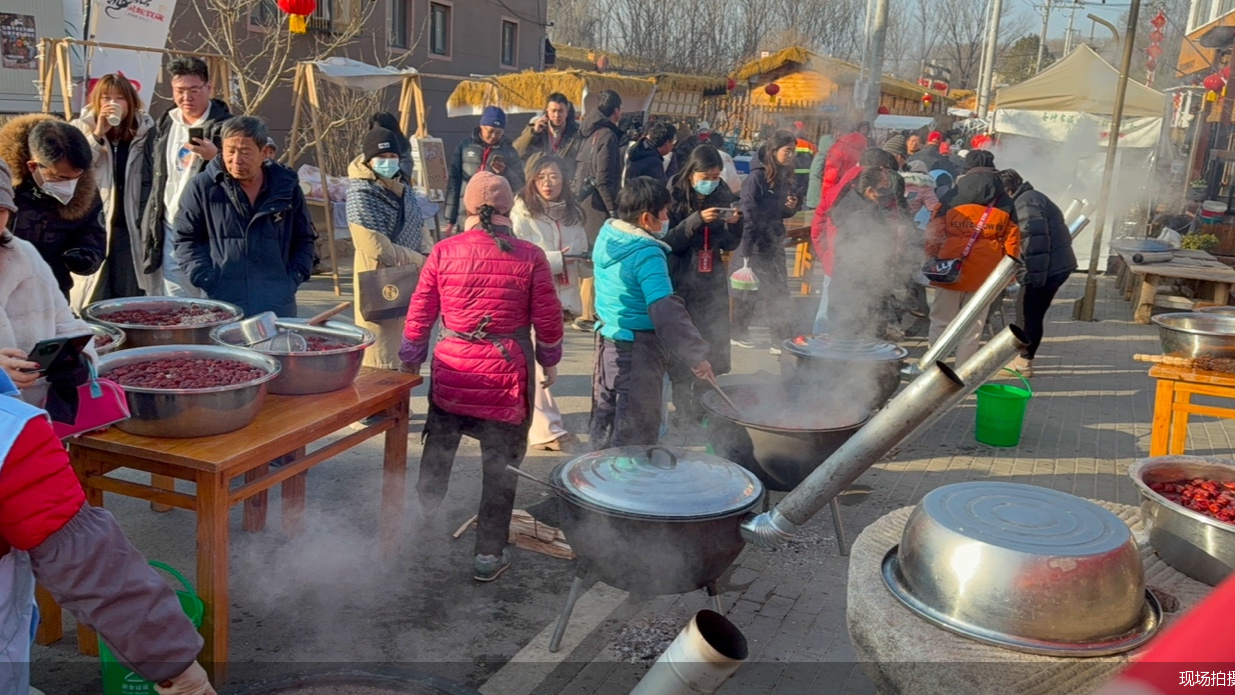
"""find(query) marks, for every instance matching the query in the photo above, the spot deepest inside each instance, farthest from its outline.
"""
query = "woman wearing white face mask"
(546, 214)
(116, 124)
(387, 229)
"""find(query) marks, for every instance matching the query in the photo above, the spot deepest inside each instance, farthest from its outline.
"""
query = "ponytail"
(486, 223)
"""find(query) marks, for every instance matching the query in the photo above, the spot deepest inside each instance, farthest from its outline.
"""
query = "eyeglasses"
(548, 178)
(188, 91)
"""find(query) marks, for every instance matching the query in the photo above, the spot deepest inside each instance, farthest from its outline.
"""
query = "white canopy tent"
(1054, 128)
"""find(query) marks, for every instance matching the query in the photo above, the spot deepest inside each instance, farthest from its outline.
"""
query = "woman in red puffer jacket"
(490, 290)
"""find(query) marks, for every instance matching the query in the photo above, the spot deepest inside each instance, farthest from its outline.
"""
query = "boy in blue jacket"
(640, 320)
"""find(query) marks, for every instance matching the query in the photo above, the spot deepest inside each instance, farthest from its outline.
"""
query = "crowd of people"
(650, 241)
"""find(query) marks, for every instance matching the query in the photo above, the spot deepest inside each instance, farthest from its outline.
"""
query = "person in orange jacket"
(978, 200)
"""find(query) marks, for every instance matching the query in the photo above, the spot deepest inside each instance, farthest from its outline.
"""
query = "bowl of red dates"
(107, 339)
(190, 390)
(149, 321)
(1188, 509)
(330, 361)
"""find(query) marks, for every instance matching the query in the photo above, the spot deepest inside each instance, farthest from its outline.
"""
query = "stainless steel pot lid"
(658, 482)
(1139, 245)
(825, 347)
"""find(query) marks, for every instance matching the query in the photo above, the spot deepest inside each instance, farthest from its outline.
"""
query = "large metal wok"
(652, 520)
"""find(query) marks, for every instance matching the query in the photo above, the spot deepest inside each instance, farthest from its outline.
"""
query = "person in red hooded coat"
(490, 290)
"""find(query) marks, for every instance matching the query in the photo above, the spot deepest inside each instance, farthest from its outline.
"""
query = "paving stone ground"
(1089, 418)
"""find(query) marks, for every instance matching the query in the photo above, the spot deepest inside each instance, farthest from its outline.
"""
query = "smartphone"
(55, 352)
(726, 213)
(197, 134)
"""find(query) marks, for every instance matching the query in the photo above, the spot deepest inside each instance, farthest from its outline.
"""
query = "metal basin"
(1221, 310)
(147, 336)
(1025, 568)
(192, 412)
(309, 372)
(654, 520)
(117, 336)
(1200, 547)
(1195, 334)
(780, 456)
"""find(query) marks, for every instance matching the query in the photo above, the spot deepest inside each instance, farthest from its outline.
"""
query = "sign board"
(429, 155)
(1063, 126)
(143, 23)
(19, 44)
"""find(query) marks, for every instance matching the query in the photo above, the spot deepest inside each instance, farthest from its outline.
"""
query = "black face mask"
(886, 198)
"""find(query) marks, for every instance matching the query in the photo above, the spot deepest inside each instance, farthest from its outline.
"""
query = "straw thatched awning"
(528, 92)
(580, 58)
(792, 57)
(678, 82)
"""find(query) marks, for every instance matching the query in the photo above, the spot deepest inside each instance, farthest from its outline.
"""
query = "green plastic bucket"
(118, 680)
(1001, 412)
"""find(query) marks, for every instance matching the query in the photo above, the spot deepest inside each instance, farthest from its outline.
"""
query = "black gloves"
(81, 261)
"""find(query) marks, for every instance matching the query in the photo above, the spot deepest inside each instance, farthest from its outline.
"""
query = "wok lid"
(825, 347)
(658, 482)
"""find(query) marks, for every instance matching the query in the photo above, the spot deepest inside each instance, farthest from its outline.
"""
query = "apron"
(522, 338)
(17, 611)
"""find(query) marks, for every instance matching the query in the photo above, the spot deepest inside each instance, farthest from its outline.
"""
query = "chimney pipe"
(984, 364)
(699, 661)
(877, 437)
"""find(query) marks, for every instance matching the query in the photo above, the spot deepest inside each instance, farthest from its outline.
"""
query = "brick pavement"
(1089, 419)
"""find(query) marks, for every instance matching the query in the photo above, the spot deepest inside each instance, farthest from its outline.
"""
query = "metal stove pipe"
(1073, 209)
(977, 306)
(699, 661)
(877, 437)
(984, 364)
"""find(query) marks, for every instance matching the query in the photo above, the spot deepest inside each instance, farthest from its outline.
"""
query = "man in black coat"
(243, 228)
(555, 132)
(487, 150)
(931, 156)
(58, 206)
(647, 157)
(1046, 251)
(598, 178)
(176, 159)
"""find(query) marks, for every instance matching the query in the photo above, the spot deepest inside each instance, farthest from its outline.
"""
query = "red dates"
(1209, 497)
(187, 315)
(195, 373)
(102, 340)
(317, 343)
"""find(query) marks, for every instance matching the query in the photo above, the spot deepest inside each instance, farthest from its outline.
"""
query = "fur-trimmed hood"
(15, 151)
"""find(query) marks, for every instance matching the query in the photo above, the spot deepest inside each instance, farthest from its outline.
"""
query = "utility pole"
(988, 75)
(1085, 310)
(986, 22)
(1067, 43)
(1046, 24)
(878, 36)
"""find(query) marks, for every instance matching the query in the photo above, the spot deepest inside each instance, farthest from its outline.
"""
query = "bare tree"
(261, 52)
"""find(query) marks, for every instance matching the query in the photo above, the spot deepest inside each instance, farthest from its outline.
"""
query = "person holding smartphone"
(703, 224)
(185, 140)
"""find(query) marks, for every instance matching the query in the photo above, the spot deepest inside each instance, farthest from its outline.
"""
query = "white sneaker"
(742, 343)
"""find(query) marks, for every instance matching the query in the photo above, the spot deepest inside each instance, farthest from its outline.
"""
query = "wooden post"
(293, 149)
(422, 115)
(47, 68)
(315, 108)
(66, 78)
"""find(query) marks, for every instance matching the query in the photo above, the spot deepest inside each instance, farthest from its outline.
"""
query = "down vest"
(474, 285)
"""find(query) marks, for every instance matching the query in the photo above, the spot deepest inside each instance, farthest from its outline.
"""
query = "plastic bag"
(1171, 237)
(744, 278)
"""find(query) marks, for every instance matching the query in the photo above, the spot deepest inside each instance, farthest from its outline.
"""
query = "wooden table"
(1173, 404)
(1216, 279)
(285, 426)
(797, 234)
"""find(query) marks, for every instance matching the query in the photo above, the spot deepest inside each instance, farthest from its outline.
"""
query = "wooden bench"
(1141, 283)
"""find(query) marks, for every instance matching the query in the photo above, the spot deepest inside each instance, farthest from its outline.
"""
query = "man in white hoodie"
(178, 158)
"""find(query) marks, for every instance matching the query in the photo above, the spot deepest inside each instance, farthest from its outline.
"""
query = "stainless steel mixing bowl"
(117, 336)
(1195, 334)
(146, 336)
(1200, 547)
(192, 412)
(1222, 310)
(310, 372)
(1025, 568)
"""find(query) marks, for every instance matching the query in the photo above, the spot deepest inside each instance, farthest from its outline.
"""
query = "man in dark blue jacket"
(243, 230)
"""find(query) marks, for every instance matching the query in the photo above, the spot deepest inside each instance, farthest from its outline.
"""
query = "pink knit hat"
(487, 188)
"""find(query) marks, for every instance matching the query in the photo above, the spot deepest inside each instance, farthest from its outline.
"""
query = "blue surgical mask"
(385, 167)
(664, 229)
(706, 186)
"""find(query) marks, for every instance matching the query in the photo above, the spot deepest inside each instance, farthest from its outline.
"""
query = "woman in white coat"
(546, 214)
(117, 125)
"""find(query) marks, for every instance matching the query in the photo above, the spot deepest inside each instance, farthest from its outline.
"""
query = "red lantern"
(1158, 21)
(772, 89)
(1214, 82)
(299, 11)
(1151, 63)
(883, 111)
(926, 98)
(1156, 36)
(730, 85)
(939, 86)
(602, 63)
